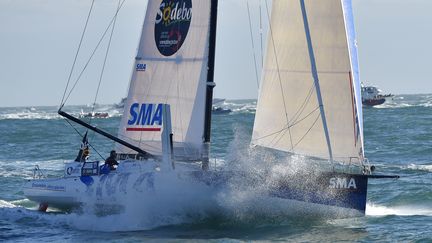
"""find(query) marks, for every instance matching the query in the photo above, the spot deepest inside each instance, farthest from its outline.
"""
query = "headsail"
(309, 100)
(170, 68)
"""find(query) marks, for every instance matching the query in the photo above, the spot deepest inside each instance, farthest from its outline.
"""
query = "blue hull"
(341, 190)
(322, 191)
(312, 192)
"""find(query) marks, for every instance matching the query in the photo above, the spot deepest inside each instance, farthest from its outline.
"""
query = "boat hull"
(374, 102)
(61, 193)
(333, 189)
(330, 194)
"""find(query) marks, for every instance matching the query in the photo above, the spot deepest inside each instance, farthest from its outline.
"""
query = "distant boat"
(216, 109)
(220, 110)
(93, 115)
(372, 96)
(121, 104)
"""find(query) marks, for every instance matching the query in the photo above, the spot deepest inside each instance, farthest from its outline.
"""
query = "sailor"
(86, 155)
(84, 151)
(111, 160)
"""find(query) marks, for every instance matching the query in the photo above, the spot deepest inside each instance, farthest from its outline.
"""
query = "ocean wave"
(394, 105)
(419, 167)
(29, 115)
(407, 101)
(402, 105)
(50, 113)
(25, 169)
(241, 106)
(380, 210)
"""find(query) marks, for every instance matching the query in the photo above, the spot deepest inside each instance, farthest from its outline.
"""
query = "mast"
(210, 74)
(210, 81)
(316, 79)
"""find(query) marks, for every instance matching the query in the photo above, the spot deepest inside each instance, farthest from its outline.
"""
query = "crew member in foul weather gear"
(111, 160)
(84, 151)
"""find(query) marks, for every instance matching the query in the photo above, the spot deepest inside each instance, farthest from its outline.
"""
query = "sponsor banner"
(173, 20)
(145, 117)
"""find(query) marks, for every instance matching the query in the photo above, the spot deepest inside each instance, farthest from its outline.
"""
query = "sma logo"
(342, 183)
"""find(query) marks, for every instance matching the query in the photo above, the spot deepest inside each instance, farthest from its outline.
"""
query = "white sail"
(170, 68)
(309, 100)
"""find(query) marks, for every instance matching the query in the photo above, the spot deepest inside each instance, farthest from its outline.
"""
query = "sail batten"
(306, 77)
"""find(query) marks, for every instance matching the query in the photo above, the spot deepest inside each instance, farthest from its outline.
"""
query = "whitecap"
(420, 167)
(380, 210)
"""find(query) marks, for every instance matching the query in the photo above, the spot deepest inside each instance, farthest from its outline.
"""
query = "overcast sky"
(39, 38)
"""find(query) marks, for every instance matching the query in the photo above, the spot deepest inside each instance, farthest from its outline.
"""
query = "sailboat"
(170, 90)
(309, 105)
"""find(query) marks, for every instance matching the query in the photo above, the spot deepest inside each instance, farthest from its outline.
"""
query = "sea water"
(398, 140)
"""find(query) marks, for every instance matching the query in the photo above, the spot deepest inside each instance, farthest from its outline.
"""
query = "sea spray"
(145, 201)
(260, 172)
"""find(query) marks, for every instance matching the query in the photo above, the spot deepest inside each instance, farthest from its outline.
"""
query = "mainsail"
(309, 100)
(170, 68)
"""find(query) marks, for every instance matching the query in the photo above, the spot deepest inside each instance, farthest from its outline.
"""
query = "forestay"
(170, 68)
(309, 101)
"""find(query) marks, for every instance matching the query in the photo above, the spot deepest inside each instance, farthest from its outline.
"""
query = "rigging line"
(278, 71)
(310, 113)
(288, 126)
(76, 54)
(297, 122)
(277, 138)
(93, 53)
(313, 124)
(76, 130)
(253, 45)
(261, 34)
(303, 106)
(106, 56)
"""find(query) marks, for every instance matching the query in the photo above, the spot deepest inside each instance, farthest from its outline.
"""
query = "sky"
(39, 38)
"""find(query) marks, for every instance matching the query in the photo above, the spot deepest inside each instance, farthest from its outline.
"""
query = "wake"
(379, 210)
